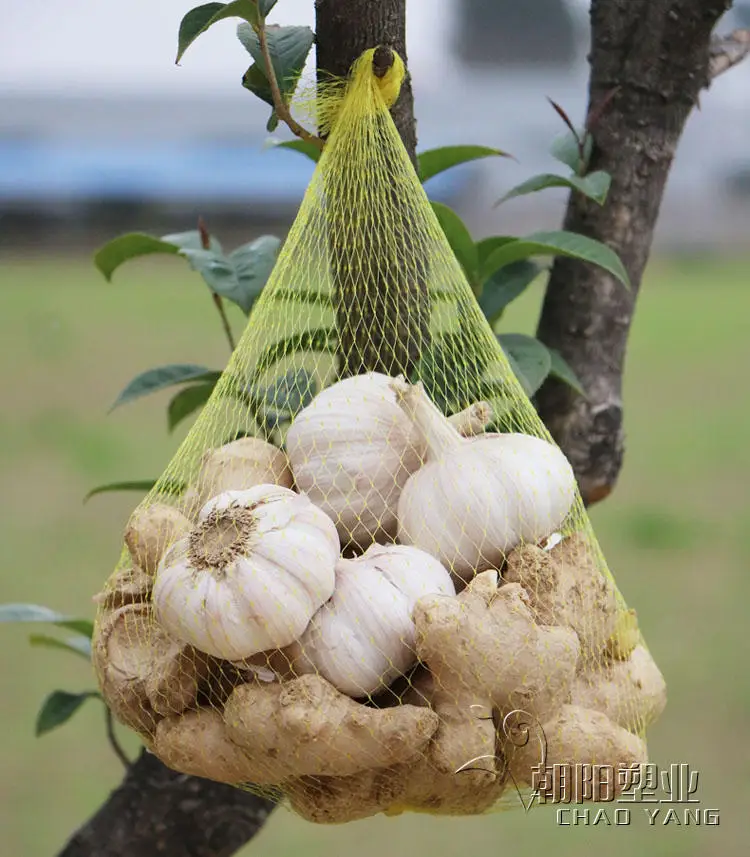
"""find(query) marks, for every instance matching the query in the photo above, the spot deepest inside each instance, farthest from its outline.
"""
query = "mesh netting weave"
(366, 581)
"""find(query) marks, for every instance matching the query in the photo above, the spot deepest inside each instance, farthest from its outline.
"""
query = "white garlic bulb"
(352, 450)
(250, 575)
(476, 498)
(363, 638)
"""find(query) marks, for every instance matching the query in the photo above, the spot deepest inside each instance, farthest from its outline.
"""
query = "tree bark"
(157, 812)
(379, 280)
(655, 53)
(344, 29)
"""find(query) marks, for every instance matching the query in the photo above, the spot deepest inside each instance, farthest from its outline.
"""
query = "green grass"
(675, 533)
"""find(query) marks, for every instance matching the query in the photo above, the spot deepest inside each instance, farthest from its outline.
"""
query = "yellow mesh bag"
(389, 598)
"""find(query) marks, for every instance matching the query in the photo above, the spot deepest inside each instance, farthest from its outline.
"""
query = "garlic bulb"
(476, 498)
(353, 448)
(363, 638)
(250, 575)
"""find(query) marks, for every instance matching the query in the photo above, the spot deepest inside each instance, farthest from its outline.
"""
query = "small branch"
(218, 302)
(112, 738)
(728, 51)
(279, 105)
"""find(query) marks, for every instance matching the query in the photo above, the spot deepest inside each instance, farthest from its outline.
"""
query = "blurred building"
(100, 131)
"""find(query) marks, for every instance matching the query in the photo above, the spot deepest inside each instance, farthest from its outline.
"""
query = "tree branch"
(279, 105)
(159, 813)
(656, 54)
(382, 308)
(728, 51)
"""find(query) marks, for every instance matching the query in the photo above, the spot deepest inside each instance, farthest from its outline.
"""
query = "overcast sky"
(129, 45)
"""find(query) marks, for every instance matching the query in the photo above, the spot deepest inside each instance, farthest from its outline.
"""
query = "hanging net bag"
(366, 582)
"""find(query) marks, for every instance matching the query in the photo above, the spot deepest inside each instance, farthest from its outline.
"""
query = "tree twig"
(218, 302)
(112, 738)
(279, 105)
(728, 51)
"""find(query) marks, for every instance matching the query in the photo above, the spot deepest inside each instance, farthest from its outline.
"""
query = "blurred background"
(101, 133)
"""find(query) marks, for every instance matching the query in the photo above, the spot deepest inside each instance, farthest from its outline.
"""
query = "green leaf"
(436, 369)
(562, 371)
(265, 6)
(187, 401)
(143, 485)
(487, 246)
(459, 238)
(435, 161)
(192, 240)
(529, 359)
(321, 340)
(253, 263)
(306, 296)
(505, 285)
(557, 244)
(565, 149)
(167, 487)
(289, 48)
(256, 82)
(303, 147)
(198, 20)
(283, 399)
(240, 276)
(59, 707)
(291, 392)
(77, 645)
(109, 257)
(595, 185)
(37, 613)
(451, 370)
(162, 377)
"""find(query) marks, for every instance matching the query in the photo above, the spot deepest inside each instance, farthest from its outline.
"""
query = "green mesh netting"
(366, 580)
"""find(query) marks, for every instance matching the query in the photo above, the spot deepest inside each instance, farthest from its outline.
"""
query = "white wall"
(129, 45)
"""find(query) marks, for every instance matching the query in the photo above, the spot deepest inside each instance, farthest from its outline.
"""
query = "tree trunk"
(156, 812)
(344, 29)
(379, 280)
(655, 53)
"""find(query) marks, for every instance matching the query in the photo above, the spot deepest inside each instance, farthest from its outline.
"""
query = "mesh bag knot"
(366, 581)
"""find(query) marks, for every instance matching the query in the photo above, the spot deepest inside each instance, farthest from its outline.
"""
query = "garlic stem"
(472, 420)
(437, 433)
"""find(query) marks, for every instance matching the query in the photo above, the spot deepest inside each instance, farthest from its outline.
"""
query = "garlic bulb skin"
(477, 498)
(364, 637)
(351, 451)
(250, 575)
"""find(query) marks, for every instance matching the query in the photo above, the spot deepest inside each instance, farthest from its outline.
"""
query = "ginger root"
(150, 531)
(235, 466)
(484, 645)
(308, 728)
(575, 738)
(631, 693)
(144, 674)
(129, 585)
(487, 657)
(336, 800)
(196, 743)
(566, 587)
